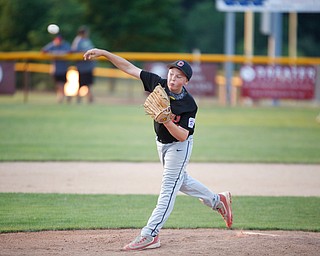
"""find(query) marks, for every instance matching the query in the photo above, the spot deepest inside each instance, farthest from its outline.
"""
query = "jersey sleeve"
(150, 80)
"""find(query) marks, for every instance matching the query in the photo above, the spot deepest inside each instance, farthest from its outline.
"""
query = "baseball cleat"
(143, 242)
(224, 208)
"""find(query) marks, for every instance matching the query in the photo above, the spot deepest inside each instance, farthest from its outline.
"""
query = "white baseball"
(53, 29)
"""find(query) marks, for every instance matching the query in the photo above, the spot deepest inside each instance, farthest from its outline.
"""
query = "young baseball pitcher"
(174, 127)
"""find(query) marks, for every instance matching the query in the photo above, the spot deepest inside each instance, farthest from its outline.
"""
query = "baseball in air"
(53, 29)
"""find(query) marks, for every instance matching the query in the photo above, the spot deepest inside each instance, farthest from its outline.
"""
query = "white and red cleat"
(143, 242)
(224, 208)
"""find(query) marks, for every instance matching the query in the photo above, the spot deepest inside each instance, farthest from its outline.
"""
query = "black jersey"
(184, 109)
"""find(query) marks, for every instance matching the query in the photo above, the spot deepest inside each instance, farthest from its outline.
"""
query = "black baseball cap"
(183, 66)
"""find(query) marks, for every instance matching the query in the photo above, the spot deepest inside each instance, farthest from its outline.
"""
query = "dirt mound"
(173, 242)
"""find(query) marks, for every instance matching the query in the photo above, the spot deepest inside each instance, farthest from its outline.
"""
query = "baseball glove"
(157, 105)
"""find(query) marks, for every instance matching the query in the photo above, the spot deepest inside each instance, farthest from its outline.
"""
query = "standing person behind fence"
(60, 67)
(82, 43)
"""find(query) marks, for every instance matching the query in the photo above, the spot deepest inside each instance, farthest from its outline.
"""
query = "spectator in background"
(60, 67)
(82, 43)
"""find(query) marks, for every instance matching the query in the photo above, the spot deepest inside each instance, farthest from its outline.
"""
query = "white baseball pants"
(175, 158)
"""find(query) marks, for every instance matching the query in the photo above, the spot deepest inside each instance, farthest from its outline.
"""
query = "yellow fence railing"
(152, 56)
(24, 60)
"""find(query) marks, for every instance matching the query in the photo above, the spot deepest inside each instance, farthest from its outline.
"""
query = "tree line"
(141, 26)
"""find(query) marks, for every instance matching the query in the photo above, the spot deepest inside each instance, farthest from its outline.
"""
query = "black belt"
(165, 141)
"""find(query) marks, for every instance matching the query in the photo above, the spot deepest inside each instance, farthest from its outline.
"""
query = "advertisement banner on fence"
(7, 78)
(278, 82)
(202, 82)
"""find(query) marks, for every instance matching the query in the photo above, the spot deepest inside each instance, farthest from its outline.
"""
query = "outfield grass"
(42, 130)
(35, 212)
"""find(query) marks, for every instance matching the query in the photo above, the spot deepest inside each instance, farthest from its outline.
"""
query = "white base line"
(258, 234)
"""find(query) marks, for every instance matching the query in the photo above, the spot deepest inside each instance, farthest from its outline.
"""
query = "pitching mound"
(173, 242)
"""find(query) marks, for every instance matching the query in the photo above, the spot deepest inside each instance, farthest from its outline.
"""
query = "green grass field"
(42, 130)
(34, 212)
(45, 131)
